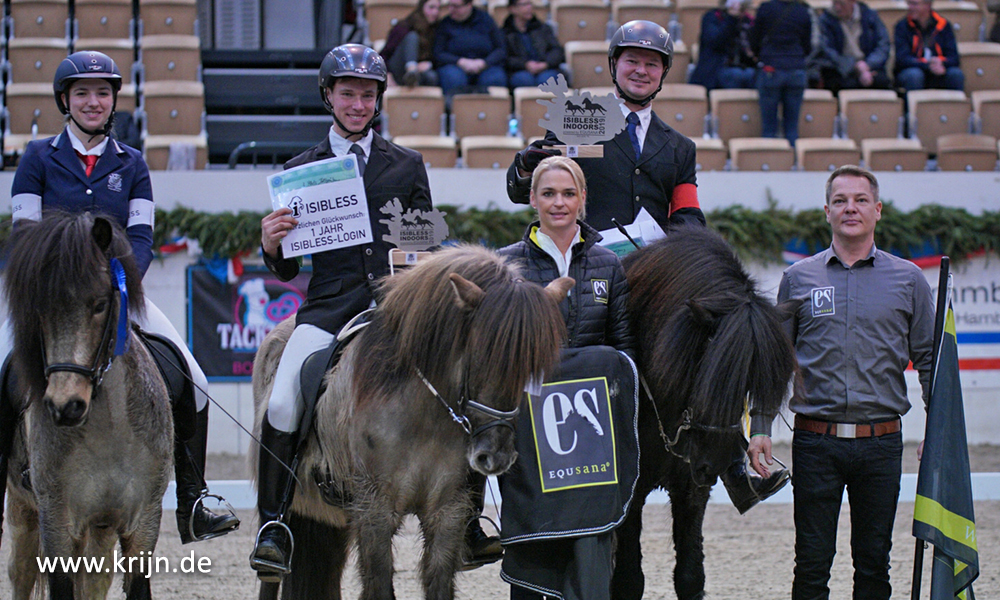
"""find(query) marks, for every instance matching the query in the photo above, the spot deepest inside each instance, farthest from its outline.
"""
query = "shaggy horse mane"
(691, 291)
(511, 337)
(51, 264)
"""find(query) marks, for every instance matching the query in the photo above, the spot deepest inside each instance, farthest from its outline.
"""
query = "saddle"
(312, 379)
(177, 377)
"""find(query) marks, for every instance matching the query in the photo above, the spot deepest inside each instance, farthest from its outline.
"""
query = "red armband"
(685, 196)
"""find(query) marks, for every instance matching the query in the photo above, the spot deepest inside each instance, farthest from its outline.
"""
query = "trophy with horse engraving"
(580, 120)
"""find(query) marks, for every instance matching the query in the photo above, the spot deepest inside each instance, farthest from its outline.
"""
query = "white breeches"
(285, 406)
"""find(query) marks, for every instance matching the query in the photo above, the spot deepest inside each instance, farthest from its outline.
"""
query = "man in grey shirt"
(865, 315)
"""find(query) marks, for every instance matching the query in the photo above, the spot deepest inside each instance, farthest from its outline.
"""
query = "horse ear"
(558, 288)
(102, 233)
(701, 314)
(468, 294)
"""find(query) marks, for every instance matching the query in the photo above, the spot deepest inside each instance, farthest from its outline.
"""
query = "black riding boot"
(480, 549)
(272, 553)
(195, 522)
(746, 488)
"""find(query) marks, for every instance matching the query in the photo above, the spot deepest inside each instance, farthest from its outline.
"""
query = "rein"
(685, 424)
(500, 418)
(112, 343)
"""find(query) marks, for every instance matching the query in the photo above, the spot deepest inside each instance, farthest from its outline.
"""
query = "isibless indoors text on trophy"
(580, 121)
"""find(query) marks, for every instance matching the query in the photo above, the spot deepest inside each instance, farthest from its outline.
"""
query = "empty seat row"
(160, 57)
(101, 19)
(725, 114)
(475, 151)
(955, 152)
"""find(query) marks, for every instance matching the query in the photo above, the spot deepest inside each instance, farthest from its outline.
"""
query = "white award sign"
(328, 199)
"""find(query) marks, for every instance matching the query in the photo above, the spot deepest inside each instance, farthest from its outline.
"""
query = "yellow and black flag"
(943, 512)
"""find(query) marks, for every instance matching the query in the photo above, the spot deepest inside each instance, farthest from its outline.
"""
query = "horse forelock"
(505, 340)
(51, 264)
(691, 292)
(515, 339)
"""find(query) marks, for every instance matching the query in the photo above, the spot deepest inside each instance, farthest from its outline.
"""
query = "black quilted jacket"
(595, 309)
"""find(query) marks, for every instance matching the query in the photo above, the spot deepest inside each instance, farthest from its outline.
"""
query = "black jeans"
(870, 469)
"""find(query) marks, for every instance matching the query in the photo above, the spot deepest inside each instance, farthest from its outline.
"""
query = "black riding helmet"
(352, 60)
(646, 35)
(87, 64)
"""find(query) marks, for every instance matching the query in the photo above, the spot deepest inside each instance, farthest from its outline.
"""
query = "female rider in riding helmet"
(85, 169)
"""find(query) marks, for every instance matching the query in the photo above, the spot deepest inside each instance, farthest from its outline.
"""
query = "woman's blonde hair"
(565, 164)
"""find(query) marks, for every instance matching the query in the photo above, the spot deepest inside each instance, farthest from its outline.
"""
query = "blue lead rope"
(122, 339)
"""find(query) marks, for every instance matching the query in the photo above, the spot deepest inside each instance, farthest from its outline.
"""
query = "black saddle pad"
(312, 375)
(173, 368)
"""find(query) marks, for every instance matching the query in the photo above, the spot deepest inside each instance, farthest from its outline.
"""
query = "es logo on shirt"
(600, 287)
(822, 301)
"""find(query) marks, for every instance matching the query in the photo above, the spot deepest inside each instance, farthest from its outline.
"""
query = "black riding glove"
(536, 152)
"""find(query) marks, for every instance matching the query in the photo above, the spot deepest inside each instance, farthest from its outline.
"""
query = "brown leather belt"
(847, 430)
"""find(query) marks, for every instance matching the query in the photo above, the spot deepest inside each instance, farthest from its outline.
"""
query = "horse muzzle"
(70, 413)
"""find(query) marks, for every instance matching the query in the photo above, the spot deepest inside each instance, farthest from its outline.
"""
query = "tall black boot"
(480, 549)
(195, 522)
(272, 552)
(746, 488)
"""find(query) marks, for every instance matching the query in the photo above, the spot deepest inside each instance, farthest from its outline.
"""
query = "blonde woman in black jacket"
(560, 244)
(571, 564)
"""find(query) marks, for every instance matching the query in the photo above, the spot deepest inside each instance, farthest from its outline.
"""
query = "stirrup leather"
(266, 565)
(223, 503)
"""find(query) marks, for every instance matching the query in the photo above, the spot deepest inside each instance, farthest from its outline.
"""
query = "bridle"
(465, 403)
(686, 423)
(111, 344)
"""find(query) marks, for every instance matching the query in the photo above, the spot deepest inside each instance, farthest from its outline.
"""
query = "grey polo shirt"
(857, 329)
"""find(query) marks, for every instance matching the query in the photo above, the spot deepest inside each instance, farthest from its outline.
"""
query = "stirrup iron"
(223, 504)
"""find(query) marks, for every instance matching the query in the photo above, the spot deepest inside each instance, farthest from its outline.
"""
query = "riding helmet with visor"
(87, 64)
(352, 60)
(646, 35)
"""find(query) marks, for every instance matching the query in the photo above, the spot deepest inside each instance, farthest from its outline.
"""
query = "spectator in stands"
(409, 50)
(469, 50)
(533, 52)
(781, 37)
(926, 51)
(855, 47)
(725, 59)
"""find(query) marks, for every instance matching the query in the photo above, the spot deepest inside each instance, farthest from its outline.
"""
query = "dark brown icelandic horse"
(707, 343)
(426, 391)
(97, 433)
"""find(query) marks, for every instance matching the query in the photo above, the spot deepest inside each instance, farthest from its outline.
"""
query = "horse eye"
(100, 307)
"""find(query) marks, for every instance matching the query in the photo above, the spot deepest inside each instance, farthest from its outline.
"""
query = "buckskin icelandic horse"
(424, 392)
(97, 433)
(707, 342)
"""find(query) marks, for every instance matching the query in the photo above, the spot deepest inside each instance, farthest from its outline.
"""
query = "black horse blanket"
(578, 461)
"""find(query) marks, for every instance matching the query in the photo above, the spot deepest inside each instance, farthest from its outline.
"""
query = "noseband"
(111, 345)
(500, 418)
(686, 423)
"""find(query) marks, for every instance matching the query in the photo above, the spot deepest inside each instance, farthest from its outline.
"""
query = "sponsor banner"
(227, 322)
(574, 434)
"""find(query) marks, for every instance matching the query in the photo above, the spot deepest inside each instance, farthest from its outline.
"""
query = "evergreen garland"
(757, 235)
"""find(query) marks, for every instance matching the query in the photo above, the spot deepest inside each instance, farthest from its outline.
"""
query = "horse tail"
(748, 356)
(318, 560)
